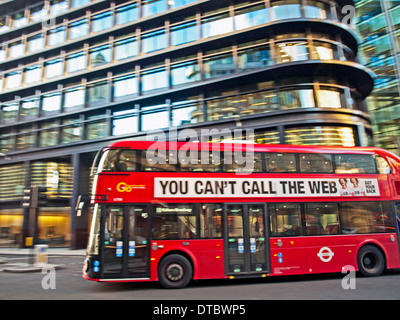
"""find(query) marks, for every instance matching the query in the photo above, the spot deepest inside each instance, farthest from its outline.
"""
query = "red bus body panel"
(207, 256)
(288, 255)
(301, 255)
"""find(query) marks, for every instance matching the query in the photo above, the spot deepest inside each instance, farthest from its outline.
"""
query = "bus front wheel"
(371, 261)
(175, 272)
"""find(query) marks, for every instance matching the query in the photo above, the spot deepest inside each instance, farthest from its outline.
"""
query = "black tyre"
(371, 261)
(175, 272)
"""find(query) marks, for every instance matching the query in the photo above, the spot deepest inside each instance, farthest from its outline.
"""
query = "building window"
(25, 138)
(259, 102)
(124, 86)
(250, 17)
(33, 74)
(186, 113)
(215, 25)
(12, 183)
(316, 10)
(57, 36)
(288, 9)
(178, 3)
(19, 20)
(3, 25)
(102, 21)
(96, 127)
(51, 102)
(79, 29)
(79, 3)
(100, 55)
(127, 13)
(296, 98)
(3, 54)
(126, 48)
(219, 65)
(291, 51)
(184, 33)
(38, 13)
(224, 108)
(323, 51)
(98, 92)
(17, 49)
(29, 108)
(71, 130)
(151, 7)
(58, 6)
(53, 68)
(124, 122)
(330, 98)
(35, 43)
(334, 136)
(154, 79)
(76, 62)
(254, 58)
(154, 41)
(7, 141)
(10, 112)
(74, 97)
(13, 79)
(155, 117)
(185, 72)
(48, 136)
(267, 137)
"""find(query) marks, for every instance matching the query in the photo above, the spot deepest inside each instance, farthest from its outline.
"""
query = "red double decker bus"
(176, 211)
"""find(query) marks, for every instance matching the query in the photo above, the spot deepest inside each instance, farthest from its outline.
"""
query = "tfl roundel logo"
(325, 254)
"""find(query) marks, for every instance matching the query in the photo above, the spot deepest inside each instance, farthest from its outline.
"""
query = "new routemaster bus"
(172, 212)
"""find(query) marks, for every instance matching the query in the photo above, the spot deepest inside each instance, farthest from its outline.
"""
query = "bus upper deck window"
(383, 166)
(119, 160)
(355, 163)
(281, 162)
(315, 163)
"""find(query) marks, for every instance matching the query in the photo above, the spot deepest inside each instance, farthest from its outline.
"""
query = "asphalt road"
(69, 285)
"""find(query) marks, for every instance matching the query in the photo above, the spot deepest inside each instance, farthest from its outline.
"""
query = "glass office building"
(378, 23)
(76, 75)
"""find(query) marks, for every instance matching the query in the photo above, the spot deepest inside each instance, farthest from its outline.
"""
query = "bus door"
(245, 239)
(126, 242)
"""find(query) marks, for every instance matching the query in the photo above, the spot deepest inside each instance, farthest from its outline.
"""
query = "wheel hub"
(174, 272)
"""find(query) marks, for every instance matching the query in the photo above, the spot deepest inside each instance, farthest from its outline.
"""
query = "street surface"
(69, 285)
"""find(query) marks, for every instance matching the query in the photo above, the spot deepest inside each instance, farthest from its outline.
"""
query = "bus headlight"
(86, 265)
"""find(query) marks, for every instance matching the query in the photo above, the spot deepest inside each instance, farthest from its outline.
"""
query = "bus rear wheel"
(371, 261)
(175, 272)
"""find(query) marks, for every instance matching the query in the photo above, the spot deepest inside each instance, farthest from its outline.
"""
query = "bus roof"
(284, 148)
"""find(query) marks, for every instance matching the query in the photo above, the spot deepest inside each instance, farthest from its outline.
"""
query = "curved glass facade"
(77, 74)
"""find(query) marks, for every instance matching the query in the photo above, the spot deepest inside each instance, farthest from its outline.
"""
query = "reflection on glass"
(216, 25)
(249, 17)
(335, 136)
(125, 122)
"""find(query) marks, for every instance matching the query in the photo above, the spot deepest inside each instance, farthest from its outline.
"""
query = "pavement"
(8, 265)
(50, 251)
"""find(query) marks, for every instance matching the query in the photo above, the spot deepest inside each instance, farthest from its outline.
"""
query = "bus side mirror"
(80, 204)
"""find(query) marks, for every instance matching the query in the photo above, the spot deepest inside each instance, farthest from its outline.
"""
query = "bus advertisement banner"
(261, 187)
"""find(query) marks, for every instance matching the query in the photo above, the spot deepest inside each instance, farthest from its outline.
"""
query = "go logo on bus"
(124, 187)
(325, 254)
